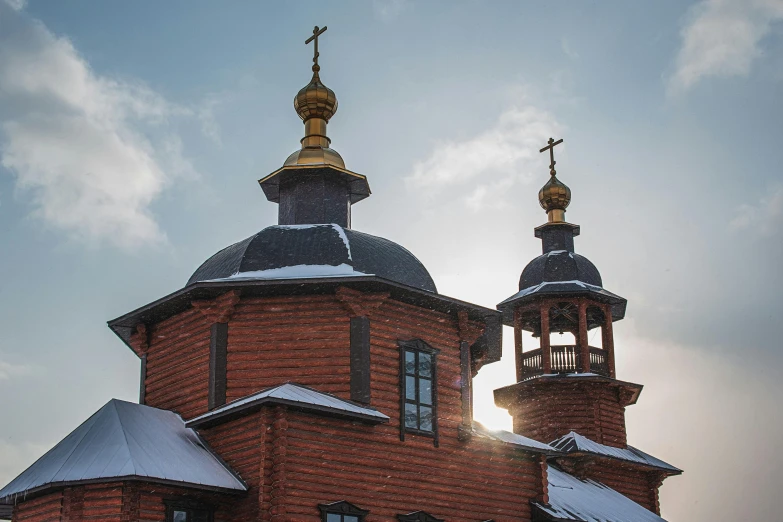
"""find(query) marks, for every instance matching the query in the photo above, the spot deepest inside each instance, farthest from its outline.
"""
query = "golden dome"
(315, 100)
(554, 198)
(315, 156)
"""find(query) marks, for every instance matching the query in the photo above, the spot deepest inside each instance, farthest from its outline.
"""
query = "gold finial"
(316, 33)
(554, 196)
(315, 104)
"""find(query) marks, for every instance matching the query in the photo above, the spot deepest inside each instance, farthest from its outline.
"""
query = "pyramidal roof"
(127, 441)
(576, 443)
(589, 501)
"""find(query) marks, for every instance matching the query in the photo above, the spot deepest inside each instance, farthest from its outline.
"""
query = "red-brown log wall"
(45, 508)
(328, 460)
(591, 409)
(303, 339)
(639, 486)
(178, 364)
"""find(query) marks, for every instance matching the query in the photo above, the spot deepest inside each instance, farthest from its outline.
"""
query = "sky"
(132, 136)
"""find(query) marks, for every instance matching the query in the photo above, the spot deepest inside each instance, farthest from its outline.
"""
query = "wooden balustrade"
(565, 359)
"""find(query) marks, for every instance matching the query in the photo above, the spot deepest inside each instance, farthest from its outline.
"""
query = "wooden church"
(314, 373)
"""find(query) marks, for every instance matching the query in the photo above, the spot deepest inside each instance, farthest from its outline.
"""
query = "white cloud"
(764, 216)
(721, 38)
(8, 370)
(498, 157)
(92, 152)
(388, 10)
(16, 5)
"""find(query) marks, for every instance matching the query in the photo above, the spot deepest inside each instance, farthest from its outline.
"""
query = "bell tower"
(571, 386)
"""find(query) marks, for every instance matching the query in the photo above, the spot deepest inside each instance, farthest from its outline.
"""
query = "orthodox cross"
(316, 33)
(551, 149)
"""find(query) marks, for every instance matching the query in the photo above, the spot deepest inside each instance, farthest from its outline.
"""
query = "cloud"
(388, 10)
(8, 370)
(763, 217)
(16, 5)
(488, 164)
(92, 152)
(721, 38)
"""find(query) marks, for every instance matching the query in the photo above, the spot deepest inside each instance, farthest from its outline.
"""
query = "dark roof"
(576, 443)
(311, 247)
(294, 395)
(559, 265)
(579, 500)
(127, 441)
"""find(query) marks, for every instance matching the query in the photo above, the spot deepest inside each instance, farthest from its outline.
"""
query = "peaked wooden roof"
(127, 441)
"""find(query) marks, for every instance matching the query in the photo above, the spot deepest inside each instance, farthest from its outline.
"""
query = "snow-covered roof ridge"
(573, 442)
(579, 500)
(294, 272)
(127, 441)
(290, 394)
(512, 438)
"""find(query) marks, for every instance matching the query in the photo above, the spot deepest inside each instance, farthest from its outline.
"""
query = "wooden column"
(518, 341)
(546, 351)
(582, 342)
(607, 339)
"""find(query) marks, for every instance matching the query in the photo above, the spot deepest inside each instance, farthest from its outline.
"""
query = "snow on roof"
(575, 443)
(588, 501)
(294, 272)
(293, 395)
(123, 440)
(512, 438)
(337, 228)
(566, 284)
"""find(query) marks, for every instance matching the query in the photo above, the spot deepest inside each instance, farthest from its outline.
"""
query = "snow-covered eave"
(513, 439)
(251, 404)
(14, 498)
(669, 471)
(180, 300)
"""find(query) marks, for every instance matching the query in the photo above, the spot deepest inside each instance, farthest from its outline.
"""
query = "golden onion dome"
(315, 100)
(555, 195)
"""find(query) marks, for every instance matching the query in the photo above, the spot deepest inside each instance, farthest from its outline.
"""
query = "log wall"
(553, 409)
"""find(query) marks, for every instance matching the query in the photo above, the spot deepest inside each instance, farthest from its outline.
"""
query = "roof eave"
(180, 300)
(13, 498)
(507, 394)
(251, 407)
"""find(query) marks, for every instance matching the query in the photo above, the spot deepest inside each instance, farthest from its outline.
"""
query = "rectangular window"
(418, 388)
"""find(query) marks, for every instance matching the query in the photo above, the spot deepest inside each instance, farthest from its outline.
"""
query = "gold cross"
(551, 149)
(316, 33)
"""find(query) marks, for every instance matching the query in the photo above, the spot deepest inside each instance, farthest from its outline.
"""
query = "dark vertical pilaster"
(218, 348)
(465, 384)
(360, 359)
(143, 379)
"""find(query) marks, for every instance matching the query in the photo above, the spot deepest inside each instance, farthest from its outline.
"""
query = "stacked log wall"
(555, 409)
(46, 508)
(178, 364)
(329, 460)
(638, 485)
(303, 339)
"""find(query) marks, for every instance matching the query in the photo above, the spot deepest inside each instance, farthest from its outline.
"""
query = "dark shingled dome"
(559, 265)
(283, 246)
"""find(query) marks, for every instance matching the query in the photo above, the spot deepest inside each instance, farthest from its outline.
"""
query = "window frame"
(418, 516)
(189, 507)
(419, 346)
(342, 508)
